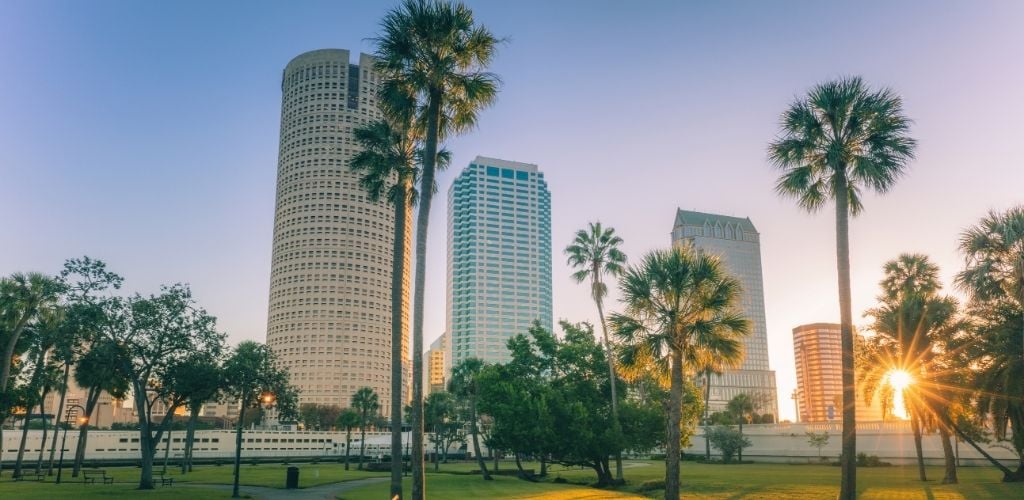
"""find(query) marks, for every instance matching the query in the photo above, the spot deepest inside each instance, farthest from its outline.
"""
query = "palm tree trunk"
(42, 442)
(190, 438)
(58, 413)
(37, 372)
(613, 379)
(362, 444)
(167, 449)
(673, 436)
(83, 430)
(24, 440)
(707, 414)
(949, 457)
(399, 289)
(348, 444)
(475, 430)
(739, 452)
(419, 285)
(1007, 473)
(848, 464)
(915, 426)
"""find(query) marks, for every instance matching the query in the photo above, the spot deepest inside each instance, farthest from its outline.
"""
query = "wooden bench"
(165, 478)
(35, 476)
(90, 475)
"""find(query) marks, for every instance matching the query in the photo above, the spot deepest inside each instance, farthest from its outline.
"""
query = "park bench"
(35, 476)
(165, 479)
(90, 475)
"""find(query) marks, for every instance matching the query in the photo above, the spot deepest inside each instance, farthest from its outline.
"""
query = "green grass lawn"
(792, 482)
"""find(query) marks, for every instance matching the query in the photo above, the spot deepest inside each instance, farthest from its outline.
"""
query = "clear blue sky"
(145, 133)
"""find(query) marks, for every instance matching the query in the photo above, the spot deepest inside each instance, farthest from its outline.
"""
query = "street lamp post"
(267, 400)
(63, 442)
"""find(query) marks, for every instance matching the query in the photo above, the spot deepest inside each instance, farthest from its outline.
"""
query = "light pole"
(267, 400)
(63, 442)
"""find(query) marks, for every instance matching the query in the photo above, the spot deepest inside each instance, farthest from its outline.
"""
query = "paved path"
(324, 491)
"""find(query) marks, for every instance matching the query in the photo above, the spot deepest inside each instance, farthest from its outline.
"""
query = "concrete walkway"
(324, 491)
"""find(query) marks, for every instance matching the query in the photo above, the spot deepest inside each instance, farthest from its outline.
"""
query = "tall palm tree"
(366, 402)
(46, 331)
(837, 141)
(433, 50)
(594, 253)
(464, 385)
(348, 419)
(916, 319)
(994, 249)
(680, 312)
(387, 162)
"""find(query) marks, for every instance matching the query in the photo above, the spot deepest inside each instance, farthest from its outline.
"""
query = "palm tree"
(994, 249)
(463, 384)
(433, 50)
(348, 419)
(680, 312)
(387, 162)
(915, 318)
(741, 407)
(46, 332)
(837, 141)
(593, 253)
(366, 402)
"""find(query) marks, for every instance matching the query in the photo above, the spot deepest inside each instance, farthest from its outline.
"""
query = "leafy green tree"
(464, 385)
(837, 141)
(680, 310)
(202, 380)
(101, 369)
(348, 419)
(434, 51)
(728, 441)
(366, 402)
(595, 253)
(818, 440)
(441, 416)
(253, 379)
(160, 334)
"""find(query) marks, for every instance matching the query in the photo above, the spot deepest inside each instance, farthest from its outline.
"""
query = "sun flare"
(899, 380)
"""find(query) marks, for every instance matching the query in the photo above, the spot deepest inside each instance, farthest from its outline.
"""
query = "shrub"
(652, 485)
(727, 440)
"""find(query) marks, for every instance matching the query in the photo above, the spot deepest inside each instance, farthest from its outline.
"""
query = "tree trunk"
(167, 449)
(58, 413)
(238, 447)
(949, 457)
(848, 464)
(46, 428)
(362, 445)
(33, 384)
(915, 426)
(707, 414)
(348, 444)
(147, 445)
(399, 294)
(475, 430)
(437, 454)
(426, 194)
(92, 397)
(190, 436)
(1008, 475)
(739, 452)
(612, 378)
(543, 466)
(673, 436)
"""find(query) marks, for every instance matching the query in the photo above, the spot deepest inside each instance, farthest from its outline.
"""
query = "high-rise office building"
(499, 257)
(819, 375)
(437, 366)
(329, 319)
(817, 350)
(738, 244)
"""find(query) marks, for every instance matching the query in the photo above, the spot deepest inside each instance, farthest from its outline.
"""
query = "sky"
(145, 134)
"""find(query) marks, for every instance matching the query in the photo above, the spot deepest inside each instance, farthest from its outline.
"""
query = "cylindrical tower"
(329, 318)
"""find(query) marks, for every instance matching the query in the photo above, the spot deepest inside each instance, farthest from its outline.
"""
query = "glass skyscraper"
(738, 244)
(499, 257)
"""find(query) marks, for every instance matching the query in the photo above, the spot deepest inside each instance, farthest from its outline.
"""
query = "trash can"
(292, 482)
